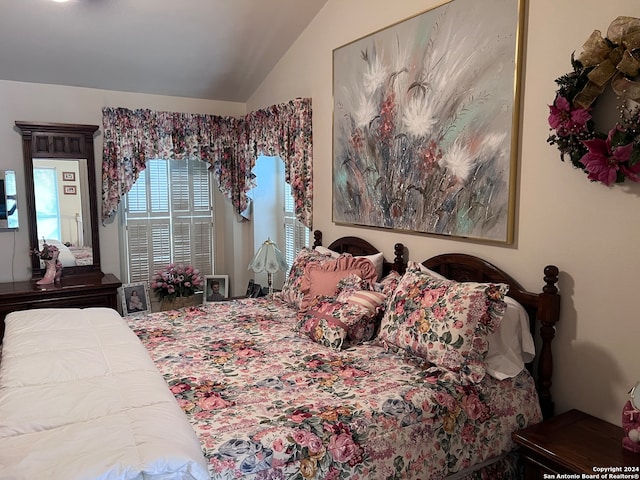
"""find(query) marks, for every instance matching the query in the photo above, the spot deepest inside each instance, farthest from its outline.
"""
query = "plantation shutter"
(296, 234)
(169, 218)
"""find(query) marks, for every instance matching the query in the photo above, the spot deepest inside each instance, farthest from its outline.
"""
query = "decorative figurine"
(49, 255)
(631, 421)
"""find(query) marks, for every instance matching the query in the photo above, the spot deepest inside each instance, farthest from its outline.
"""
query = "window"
(273, 212)
(47, 210)
(169, 218)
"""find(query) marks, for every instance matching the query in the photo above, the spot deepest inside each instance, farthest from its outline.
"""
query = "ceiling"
(210, 49)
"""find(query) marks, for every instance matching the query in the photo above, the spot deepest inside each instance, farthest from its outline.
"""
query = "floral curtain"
(230, 146)
(285, 130)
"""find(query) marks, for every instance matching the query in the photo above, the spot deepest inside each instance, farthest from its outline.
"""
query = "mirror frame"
(59, 141)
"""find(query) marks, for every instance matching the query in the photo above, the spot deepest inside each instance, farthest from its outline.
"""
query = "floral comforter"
(269, 404)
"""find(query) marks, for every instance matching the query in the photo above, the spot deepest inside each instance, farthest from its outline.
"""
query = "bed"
(273, 390)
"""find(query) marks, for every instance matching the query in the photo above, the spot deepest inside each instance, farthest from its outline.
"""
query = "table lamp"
(270, 259)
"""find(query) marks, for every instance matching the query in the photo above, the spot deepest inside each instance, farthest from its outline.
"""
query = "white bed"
(80, 381)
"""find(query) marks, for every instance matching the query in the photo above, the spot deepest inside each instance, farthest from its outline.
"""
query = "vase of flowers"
(176, 285)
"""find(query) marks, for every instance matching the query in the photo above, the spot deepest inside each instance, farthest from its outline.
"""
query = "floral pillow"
(291, 291)
(337, 324)
(388, 284)
(445, 322)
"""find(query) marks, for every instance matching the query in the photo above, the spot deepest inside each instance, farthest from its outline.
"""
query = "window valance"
(230, 146)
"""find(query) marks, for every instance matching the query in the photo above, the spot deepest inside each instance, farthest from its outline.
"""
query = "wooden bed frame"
(543, 307)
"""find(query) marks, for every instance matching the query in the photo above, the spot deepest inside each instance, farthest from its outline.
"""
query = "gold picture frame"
(426, 123)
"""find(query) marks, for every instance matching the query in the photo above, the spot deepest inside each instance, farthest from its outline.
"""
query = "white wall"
(49, 103)
(590, 231)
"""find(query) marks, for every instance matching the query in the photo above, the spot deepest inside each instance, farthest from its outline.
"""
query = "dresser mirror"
(61, 194)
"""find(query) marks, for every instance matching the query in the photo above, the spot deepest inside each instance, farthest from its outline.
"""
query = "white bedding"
(80, 398)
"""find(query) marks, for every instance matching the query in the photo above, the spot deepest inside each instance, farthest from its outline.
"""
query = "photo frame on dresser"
(426, 122)
(216, 288)
(134, 298)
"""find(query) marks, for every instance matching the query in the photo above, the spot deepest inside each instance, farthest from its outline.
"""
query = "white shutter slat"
(181, 234)
(137, 196)
(200, 187)
(202, 241)
(296, 234)
(158, 185)
(180, 186)
(138, 248)
(160, 252)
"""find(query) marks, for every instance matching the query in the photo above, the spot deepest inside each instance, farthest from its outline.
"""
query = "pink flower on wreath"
(603, 161)
(566, 120)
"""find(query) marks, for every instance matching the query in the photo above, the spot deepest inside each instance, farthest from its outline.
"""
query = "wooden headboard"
(543, 308)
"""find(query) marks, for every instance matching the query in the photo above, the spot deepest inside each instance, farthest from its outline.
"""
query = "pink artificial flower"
(565, 120)
(603, 161)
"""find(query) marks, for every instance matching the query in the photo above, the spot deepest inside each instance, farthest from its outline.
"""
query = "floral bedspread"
(269, 404)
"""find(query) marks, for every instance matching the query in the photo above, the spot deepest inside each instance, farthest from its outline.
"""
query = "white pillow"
(411, 265)
(511, 345)
(377, 258)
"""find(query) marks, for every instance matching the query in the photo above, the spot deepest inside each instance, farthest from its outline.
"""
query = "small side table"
(574, 442)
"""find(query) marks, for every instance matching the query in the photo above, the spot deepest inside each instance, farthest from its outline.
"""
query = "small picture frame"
(134, 298)
(216, 288)
(70, 190)
(69, 176)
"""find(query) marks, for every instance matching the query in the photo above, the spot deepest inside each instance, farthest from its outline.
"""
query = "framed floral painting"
(425, 125)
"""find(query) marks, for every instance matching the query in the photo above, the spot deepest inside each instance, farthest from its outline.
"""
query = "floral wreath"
(615, 60)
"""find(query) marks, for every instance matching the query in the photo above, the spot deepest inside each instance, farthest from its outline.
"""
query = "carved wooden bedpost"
(399, 264)
(548, 314)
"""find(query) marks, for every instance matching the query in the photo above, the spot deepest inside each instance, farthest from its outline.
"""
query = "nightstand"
(574, 442)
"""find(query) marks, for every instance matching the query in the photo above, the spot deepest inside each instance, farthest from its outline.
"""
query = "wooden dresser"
(89, 290)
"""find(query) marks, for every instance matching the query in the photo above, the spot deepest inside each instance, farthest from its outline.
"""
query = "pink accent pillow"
(364, 298)
(321, 279)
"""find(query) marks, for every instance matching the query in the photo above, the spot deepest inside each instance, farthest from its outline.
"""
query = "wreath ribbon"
(615, 60)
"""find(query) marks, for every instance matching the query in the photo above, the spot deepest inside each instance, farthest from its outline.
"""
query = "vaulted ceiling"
(210, 49)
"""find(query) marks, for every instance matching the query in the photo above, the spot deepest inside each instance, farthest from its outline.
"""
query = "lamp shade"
(268, 259)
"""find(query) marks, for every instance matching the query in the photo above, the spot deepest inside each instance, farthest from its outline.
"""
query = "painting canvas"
(425, 123)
